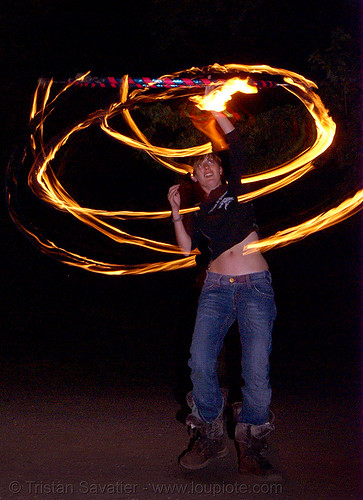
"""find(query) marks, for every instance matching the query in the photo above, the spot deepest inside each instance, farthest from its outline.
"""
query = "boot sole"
(220, 454)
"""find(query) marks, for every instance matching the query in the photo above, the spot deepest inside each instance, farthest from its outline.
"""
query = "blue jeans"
(249, 299)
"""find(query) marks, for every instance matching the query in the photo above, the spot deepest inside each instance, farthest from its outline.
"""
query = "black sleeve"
(236, 162)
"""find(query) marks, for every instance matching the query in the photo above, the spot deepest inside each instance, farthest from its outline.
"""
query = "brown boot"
(251, 444)
(207, 442)
(207, 439)
(250, 459)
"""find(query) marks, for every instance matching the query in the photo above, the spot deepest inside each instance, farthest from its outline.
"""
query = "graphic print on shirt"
(223, 201)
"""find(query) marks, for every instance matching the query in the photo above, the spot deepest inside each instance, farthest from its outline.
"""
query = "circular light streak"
(48, 188)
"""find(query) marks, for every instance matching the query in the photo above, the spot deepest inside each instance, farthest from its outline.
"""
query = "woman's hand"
(174, 199)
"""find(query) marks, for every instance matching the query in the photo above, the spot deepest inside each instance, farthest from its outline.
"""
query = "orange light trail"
(326, 219)
(48, 188)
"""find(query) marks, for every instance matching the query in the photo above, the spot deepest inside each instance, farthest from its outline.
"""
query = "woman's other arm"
(183, 239)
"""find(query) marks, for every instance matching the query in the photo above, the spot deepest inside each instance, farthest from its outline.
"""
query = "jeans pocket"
(264, 288)
(209, 286)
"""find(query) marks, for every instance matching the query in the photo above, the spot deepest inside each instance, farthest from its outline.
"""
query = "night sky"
(56, 315)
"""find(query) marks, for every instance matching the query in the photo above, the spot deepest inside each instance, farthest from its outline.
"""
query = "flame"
(48, 188)
(216, 100)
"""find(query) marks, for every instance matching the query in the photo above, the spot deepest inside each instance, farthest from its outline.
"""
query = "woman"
(237, 286)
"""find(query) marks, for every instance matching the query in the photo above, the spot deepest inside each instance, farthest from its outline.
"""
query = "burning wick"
(217, 99)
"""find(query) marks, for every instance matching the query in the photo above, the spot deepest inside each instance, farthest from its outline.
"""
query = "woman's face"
(209, 174)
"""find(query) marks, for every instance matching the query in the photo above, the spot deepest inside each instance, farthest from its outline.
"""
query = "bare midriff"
(233, 261)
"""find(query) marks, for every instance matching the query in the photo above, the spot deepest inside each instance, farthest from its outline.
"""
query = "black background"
(110, 328)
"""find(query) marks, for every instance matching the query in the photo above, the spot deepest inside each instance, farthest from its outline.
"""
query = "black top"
(221, 219)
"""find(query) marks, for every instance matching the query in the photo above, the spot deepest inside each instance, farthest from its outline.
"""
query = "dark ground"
(122, 441)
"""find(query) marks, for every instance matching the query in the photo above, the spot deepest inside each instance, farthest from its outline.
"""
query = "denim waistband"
(227, 279)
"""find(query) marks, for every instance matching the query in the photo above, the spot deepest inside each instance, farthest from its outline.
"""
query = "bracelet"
(176, 220)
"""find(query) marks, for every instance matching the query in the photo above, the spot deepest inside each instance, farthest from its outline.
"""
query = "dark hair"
(198, 160)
